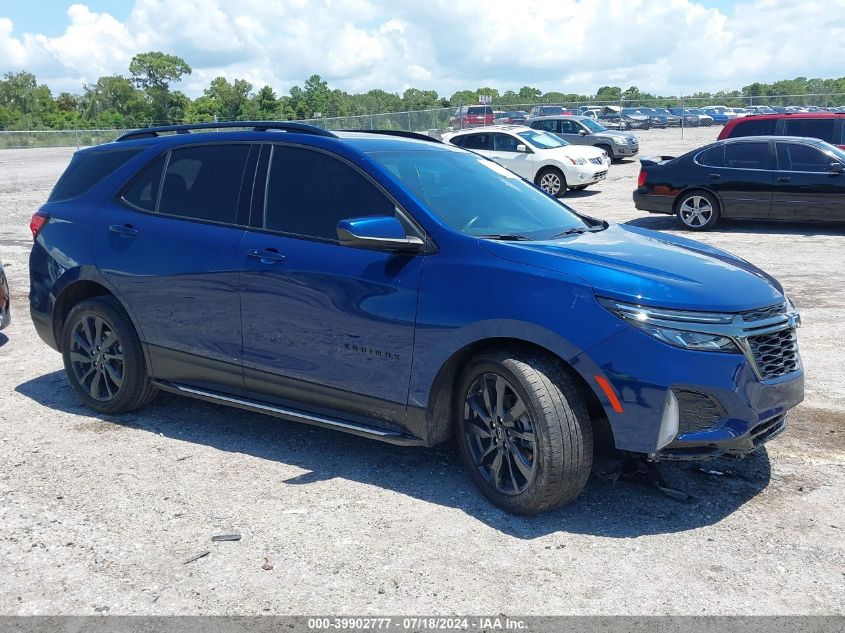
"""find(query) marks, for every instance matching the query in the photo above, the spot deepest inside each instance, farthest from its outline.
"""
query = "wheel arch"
(87, 286)
(439, 410)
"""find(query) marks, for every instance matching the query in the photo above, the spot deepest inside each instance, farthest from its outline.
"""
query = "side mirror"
(381, 232)
(582, 132)
(522, 147)
(836, 167)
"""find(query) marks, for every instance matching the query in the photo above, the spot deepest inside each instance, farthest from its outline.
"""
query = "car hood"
(613, 135)
(651, 268)
(578, 151)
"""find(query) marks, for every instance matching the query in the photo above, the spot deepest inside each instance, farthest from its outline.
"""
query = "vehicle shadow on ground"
(620, 510)
(660, 222)
(3, 339)
(572, 194)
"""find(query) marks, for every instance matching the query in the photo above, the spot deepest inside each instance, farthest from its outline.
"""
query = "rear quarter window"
(86, 170)
(814, 128)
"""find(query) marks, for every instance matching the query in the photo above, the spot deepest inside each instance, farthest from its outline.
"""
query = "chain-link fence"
(438, 120)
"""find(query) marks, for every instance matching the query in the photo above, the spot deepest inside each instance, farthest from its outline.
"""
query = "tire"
(103, 358)
(555, 423)
(554, 179)
(609, 151)
(697, 210)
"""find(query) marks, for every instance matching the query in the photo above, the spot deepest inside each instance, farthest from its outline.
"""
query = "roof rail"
(257, 126)
(400, 133)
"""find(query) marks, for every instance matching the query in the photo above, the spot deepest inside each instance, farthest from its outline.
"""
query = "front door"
(806, 188)
(171, 249)
(325, 325)
(506, 154)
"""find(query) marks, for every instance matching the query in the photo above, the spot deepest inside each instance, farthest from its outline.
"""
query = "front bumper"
(587, 174)
(620, 151)
(643, 371)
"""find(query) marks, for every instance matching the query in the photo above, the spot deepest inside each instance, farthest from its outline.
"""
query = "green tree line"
(146, 96)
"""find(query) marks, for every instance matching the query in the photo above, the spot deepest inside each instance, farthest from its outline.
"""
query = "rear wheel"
(552, 181)
(698, 210)
(523, 432)
(103, 357)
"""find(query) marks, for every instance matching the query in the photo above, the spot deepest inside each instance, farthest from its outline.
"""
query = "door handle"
(715, 176)
(123, 229)
(783, 178)
(267, 256)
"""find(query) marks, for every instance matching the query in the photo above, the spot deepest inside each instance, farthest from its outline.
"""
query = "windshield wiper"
(578, 230)
(507, 237)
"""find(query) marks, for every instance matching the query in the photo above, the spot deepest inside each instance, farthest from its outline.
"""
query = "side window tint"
(86, 170)
(504, 143)
(309, 192)
(794, 157)
(204, 182)
(754, 127)
(143, 192)
(713, 157)
(747, 155)
(548, 126)
(568, 127)
(458, 140)
(814, 128)
(477, 141)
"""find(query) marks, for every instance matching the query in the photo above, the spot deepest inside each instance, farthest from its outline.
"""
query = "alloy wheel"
(550, 183)
(96, 357)
(500, 434)
(696, 211)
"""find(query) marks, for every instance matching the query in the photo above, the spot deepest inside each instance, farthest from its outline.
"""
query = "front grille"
(697, 411)
(597, 161)
(764, 313)
(776, 354)
(601, 174)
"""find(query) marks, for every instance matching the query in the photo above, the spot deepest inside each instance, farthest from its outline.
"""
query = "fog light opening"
(669, 421)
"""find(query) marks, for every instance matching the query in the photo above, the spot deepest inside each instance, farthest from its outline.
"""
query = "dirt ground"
(101, 515)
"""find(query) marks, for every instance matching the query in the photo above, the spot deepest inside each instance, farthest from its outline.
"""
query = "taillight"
(38, 222)
(642, 178)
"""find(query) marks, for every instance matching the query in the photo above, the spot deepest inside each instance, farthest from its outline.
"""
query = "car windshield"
(592, 125)
(478, 197)
(542, 140)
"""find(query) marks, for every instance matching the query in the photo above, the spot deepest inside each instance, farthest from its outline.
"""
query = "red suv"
(826, 126)
(468, 116)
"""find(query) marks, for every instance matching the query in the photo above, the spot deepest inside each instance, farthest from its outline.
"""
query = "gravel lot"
(99, 515)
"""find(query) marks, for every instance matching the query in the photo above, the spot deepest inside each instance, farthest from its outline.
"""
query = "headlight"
(620, 140)
(653, 321)
(577, 161)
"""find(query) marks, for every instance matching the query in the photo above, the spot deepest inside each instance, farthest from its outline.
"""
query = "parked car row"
(398, 288)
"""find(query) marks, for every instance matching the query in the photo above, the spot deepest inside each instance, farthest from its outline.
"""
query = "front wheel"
(698, 210)
(552, 181)
(523, 431)
(103, 357)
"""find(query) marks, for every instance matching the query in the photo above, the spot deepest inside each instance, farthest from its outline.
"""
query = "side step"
(391, 437)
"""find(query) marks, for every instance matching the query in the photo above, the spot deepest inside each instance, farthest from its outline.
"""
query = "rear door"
(741, 174)
(170, 247)
(805, 186)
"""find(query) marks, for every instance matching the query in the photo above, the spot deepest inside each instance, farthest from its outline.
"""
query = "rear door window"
(203, 182)
(712, 157)
(86, 170)
(814, 128)
(747, 155)
(754, 127)
(143, 192)
(478, 141)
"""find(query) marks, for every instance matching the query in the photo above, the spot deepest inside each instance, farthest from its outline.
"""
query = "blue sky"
(660, 46)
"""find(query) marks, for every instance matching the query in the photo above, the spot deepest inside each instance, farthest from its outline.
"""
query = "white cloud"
(665, 47)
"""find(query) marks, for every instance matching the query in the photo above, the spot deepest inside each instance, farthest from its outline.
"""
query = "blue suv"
(388, 285)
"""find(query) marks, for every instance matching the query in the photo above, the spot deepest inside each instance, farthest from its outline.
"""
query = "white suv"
(544, 158)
